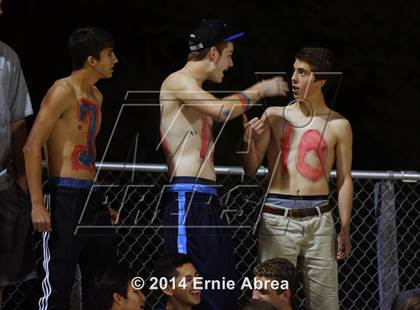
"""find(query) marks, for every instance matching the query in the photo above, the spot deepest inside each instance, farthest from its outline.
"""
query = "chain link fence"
(385, 232)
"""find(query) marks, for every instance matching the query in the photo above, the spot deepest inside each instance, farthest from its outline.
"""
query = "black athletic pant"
(63, 250)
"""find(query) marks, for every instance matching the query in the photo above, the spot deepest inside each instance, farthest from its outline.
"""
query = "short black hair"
(320, 59)
(113, 280)
(87, 41)
(165, 266)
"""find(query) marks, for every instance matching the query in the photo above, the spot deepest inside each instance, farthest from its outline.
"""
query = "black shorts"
(16, 247)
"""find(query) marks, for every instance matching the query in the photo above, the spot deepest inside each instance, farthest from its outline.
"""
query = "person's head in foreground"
(114, 291)
(180, 293)
(272, 272)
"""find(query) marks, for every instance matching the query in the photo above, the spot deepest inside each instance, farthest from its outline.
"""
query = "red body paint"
(285, 148)
(206, 138)
(164, 144)
(312, 141)
(83, 156)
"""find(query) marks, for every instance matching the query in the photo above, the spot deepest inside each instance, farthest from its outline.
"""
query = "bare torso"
(186, 133)
(301, 152)
(71, 145)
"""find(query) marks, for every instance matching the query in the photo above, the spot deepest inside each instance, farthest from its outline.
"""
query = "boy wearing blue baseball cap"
(194, 223)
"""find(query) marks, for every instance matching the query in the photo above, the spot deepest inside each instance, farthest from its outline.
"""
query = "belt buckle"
(293, 213)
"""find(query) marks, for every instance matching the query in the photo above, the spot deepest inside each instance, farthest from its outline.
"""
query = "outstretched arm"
(187, 91)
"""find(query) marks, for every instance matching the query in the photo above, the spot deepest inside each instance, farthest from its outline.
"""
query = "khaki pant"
(313, 238)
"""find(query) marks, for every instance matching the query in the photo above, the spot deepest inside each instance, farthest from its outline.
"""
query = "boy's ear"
(118, 299)
(214, 54)
(91, 61)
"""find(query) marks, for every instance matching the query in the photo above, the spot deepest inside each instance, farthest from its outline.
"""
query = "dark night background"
(376, 46)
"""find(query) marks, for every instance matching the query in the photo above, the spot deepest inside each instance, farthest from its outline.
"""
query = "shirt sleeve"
(20, 101)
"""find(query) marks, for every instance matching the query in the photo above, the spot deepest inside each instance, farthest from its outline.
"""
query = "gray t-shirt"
(15, 104)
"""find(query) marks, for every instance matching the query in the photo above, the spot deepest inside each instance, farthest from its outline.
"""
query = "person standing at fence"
(302, 141)
(16, 259)
(68, 122)
(193, 220)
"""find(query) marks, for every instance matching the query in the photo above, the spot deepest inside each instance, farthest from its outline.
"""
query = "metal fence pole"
(386, 243)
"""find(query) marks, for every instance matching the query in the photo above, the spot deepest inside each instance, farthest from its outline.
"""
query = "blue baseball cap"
(211, 32)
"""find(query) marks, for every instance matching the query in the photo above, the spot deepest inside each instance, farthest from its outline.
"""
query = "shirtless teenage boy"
(193, 221)
(67, 123)
(302, 141)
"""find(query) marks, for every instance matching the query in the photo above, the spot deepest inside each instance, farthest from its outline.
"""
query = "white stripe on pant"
(46, 286)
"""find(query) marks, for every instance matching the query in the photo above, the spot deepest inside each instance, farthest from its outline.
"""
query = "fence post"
(386, 243)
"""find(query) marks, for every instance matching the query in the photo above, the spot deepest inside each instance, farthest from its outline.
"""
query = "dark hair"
(200, 55)
(259, 305)
(85, 42)
(279, 269)
(412, 303)
(113, 280)
(165, 267)
(319, 58)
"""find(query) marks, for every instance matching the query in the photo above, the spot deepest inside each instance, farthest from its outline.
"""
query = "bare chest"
(83, 119)
(307, 150)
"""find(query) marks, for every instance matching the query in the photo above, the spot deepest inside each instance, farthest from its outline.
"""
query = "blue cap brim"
(233, 37)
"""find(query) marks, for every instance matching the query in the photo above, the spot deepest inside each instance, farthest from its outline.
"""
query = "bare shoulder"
(179, 81)
(340, 124)
(62, 86)
(60, 94)
(273, 113)
(273, 117)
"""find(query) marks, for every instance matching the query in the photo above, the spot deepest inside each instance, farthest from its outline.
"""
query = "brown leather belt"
(297, 213)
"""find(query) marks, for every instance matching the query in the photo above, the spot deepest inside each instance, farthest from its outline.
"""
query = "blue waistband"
(192, 184)
(191, 187)
(296, 202)
(295, 197)
(69, 183)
